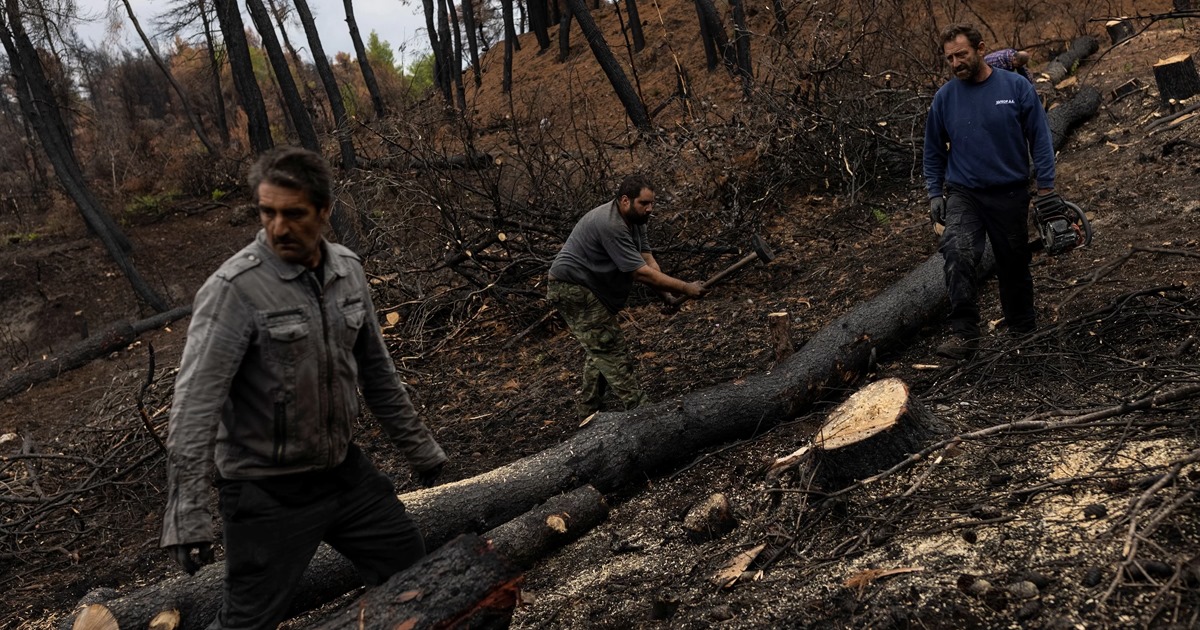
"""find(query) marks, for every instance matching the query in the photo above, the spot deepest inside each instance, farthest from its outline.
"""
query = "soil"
(1007, 510)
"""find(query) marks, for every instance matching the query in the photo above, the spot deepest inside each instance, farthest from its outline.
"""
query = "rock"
(1023, 589)
(1147, 570)
(973, 585)
(1095, 511)
(970, 536)
(996, 599)
(721, 613)
(985, 512)
(999, 479)
(710, 519)
(1029, 610)
(1093, 576)
(1116, 486)
(1039, 580)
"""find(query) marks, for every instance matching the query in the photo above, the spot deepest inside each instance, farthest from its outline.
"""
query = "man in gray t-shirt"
(590, 281)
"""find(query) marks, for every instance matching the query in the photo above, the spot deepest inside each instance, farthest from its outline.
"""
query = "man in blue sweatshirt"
(983, 126)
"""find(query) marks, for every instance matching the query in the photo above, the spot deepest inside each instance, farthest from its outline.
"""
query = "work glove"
(937, 210)
(190, 557)
(428, 478)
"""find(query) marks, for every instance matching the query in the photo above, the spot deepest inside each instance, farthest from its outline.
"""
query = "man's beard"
(968, 70)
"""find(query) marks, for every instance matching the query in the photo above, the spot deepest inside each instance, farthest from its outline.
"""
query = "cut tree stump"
(1119, 30)
(1176, 78)
(1064, 64)
(877, 427)
(780, 327)
(464, 584)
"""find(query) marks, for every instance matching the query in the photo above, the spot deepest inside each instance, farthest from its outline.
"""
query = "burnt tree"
(635, 25)
(539, 23)
(742, 46)
(184, 101)
(283, 76)
(242, 69)
(458, 55)
(510, 42)
(41, 108)
(446, 53)
(214, 66)
(435, 47)
(608, 63)
(1066, 63)
(364, 64)
(340, 120)
(468, 11)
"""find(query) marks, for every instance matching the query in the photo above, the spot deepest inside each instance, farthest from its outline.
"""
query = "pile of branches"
(63, 494)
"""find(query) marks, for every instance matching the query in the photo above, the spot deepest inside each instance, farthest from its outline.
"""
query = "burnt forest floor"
(1116, 320)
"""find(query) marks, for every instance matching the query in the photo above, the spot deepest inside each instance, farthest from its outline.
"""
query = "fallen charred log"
(1069, 115)
(1066, 63)
(464, 584)
(109, 340)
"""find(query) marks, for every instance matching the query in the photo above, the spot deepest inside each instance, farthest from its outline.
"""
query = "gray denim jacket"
(267, 382)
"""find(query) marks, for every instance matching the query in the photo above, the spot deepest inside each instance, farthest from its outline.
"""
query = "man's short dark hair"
(296, 169)
(952, 32)
(633, 184)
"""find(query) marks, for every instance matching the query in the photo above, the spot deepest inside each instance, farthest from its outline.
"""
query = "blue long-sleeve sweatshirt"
(980, 135)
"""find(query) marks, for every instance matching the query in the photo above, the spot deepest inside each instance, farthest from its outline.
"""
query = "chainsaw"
(1061, 225)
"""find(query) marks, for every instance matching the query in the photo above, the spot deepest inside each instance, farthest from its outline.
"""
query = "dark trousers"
(273, 528)
(974, 218)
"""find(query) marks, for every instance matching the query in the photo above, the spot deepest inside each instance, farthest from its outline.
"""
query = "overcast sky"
(402, 25)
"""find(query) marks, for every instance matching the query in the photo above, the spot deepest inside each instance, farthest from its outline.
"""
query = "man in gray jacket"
(281, 337)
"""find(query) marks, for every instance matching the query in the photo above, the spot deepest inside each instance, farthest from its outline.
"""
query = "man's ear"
(326, 212)
(623, 203)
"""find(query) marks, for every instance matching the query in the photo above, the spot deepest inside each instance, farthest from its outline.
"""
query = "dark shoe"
(958, 348)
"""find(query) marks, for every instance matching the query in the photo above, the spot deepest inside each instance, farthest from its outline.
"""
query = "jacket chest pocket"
(354, 314)
(289, 336)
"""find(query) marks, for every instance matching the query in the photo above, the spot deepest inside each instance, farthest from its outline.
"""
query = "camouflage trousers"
(607, 363)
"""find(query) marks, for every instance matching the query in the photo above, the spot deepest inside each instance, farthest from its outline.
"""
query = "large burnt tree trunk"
(364, 64)
(510, 42)
(1065, 117)
(710, 22)
(249, 94)
(742, 46)
(635, 25)
(1066, 63)
(184, 101)
(448, 68)
(539, 22)
(283, 76)
(468, 13)
(616, 76)
(435, 47)
(40, 108)
(340, 120)
(564, 31)
(458, 55)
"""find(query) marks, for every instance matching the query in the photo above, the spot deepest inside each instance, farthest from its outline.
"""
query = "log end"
(95, 617)
(869, 411)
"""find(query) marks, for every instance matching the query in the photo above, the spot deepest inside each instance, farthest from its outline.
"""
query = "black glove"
(428, 478)
(192, 556)
(937, 210)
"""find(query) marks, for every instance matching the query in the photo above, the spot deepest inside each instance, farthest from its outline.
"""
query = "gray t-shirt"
(601, 254)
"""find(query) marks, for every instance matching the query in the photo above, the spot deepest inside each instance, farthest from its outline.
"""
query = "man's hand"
(192, 556)
(937, 210)
(694, 289)
(428, 478)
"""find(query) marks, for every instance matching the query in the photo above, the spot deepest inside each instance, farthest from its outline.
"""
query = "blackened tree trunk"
(468, 12)
(510, 36)
(616, 76)
(249, 94)
(742, 46)
(539, 22)
(435, 46)
(635, 25)
(711, 21)
(364, 65)
(41, 108)
(340, 120)
(214, 65)
(279, 12)
(781, 25)
(458, 56)
(447, 43)
(283, 76)
(564, 31)
(184, 101)
(710, 47)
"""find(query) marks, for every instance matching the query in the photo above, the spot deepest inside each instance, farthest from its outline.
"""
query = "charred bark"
(435, 47)
(283, 76)
(468, 12)
(539, 23)
(465, 584)
(556, 523)
(364, 64)
(1067, 62)
(458, 56)
(1176, 78)
(340, 120)
(635, 25)
(608, 63)
(742, 46)
(249, 94)
(1065, 117)
(510, 42)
